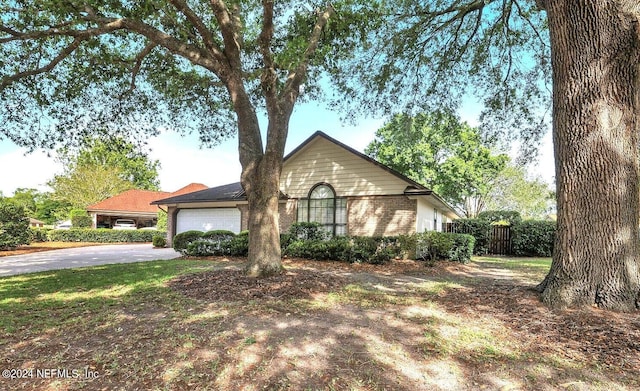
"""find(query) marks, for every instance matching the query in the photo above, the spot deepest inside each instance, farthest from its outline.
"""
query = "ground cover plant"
(202, 325)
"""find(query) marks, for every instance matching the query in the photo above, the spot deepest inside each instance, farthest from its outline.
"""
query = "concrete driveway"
(82, 256)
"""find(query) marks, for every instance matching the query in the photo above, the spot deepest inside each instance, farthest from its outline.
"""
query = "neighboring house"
(326, 181)
(133, 205)
(35, 223)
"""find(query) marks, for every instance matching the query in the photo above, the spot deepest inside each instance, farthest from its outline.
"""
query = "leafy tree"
(84, 185)
(14, 226)
(135, 165)
(512, 55)
(441, 152)
(512, 190)
(139, 67)
(40, 205)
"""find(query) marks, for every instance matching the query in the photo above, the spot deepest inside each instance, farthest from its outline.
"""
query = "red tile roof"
(140, 200)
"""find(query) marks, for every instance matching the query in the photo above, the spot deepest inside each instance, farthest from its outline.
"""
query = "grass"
(404, 332)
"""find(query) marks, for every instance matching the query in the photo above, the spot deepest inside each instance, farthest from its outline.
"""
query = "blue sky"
(184, 162)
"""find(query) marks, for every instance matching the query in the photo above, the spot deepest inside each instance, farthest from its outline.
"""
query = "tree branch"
(296, 77)
(268, 79)
(230, 36)
(207, 37)
(138, 63)
(66, 52)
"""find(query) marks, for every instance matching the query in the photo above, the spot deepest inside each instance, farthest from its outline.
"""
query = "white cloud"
(184, 163)
(21, 170)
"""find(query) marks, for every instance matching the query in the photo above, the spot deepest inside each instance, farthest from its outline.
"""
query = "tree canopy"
(133, 164)
(443, 153)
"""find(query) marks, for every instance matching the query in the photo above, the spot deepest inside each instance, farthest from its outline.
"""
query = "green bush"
(462, 249)
(432, 246)
(212, 243)
(182, 240)
(239, 245)
(374, 250)
(308, 231)
(102, 235)
(478, 228)
(39, 235)
(80, 219)
(159, 241)
(408, 245)
(361, 249)
(533, 238)
(14, 226)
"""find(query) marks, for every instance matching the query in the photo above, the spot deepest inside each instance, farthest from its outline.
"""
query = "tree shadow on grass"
(423, 330)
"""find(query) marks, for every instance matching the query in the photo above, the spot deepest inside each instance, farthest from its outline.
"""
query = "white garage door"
(208, 219)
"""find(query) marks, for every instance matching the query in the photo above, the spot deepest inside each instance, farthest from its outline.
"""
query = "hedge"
(433, 246)
(102, 235)
(310, 241)
(14, 226)
(533, 238)
(480, 229)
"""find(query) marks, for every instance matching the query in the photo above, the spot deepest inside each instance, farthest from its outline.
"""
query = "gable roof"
(140, 200)
(130, 201)
(230, 192)
(320, 134)
(234, 191)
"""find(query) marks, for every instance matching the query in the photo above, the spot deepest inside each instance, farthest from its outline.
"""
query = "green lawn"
(403, 327)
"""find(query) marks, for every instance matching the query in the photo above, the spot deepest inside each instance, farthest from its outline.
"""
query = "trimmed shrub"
(102, 235)
(211, 243)
(433, 246)
(14, 226)
(478, 228)
(322, 250)
(374, 250)
(533, 238)
(159, 241)
(462, 249)
(239, 245)
(408, 245)
(183, 239)
(80, 219)
(39, 235)
(308, 231)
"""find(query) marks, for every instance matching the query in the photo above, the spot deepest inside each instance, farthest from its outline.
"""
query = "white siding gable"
(349, 174)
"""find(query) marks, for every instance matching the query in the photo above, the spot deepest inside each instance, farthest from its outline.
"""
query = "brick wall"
(381, 215)
(171, 225)
(288, 214)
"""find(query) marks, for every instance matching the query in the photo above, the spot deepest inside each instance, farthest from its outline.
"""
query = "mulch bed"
(234, 285)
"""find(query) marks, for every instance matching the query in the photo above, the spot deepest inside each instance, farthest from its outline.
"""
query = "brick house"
(326, 181)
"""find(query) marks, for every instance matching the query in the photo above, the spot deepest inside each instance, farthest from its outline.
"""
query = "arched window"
(324, 207)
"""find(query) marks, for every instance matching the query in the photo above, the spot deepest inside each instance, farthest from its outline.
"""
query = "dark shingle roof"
(230, 192)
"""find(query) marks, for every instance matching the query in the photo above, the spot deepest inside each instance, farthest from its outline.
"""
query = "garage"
(208, 219)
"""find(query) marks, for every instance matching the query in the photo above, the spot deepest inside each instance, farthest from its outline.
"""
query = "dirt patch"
(234, 285)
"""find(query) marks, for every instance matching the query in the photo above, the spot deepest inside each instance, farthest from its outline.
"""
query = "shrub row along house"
(324, 181)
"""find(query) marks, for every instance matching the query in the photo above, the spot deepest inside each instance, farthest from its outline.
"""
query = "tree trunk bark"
(260, 178)
(595, 54)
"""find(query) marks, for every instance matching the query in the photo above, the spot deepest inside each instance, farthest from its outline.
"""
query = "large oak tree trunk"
(595, 51)
(260, 178)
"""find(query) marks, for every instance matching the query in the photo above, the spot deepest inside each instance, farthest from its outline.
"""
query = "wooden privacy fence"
(499, 238)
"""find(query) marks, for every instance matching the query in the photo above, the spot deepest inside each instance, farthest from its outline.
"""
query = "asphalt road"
(82, 256)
